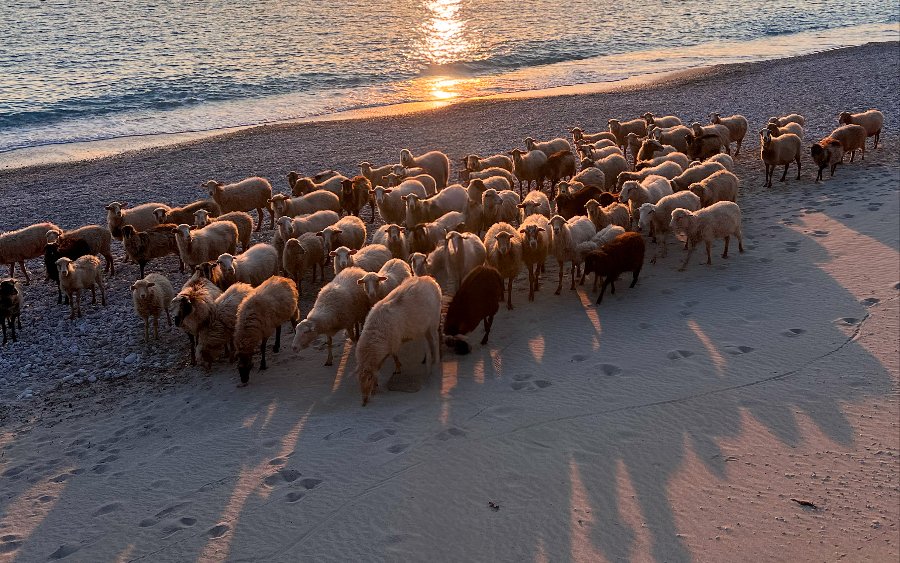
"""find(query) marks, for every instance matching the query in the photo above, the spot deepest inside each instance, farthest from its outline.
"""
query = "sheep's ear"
(332, 253)
(521, 206)
(540, 229)
(402, 229)
(360, 281)
(522, 231)
(371, 191)
(108, 207)
(403, 197)
(338, 231)
(133, 286)
(151, 284)
(388, 190)
(382, 278)
(352, 252)
(320, 234)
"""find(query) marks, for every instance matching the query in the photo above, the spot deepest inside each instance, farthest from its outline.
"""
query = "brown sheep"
(560, 165)
(827, 153)
(625, 253)
(155, 242)
(355, 195)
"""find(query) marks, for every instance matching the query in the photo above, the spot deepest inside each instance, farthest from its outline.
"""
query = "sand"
(677, 421)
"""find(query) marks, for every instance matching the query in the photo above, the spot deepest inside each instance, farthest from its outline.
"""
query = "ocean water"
(74, 71)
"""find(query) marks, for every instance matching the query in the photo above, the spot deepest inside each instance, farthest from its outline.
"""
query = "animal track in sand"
(380, 435)
(818, 233)
(282, 475)
(609, 370)
(847, 321)
(522, 382)
(738, 350)
(294, 496)
(310, 483)
(870, 301)
(685, 313)
(218, 530)
(792, 332)
(10, 543)
(64, 551)
(579, 358)
(338, 434)
(848, 215)
(107, 508)
(397, 448)
(450, 433)
(678, 354)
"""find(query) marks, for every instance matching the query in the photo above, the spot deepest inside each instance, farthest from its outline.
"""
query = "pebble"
(130, 358)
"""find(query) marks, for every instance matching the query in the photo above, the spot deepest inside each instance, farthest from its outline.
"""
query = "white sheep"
(301, 252)
(529, 167)
(678, 158)
(872, 121)
(341, 304)
(737, 127)
(320, 200)
(350, 231)
(719, 220)
(578, 135)
(477, 186)
(791, 127)
(467, 175)
(242, 220)
(674, 136)
(852, 138)
(394, 238)
(499, 206)
(695, 172)
(779, 150)
(435, 163)
(401, 174)
(565, 236)
(611, 166)
(151, 296)
(720, 131)
(194, 308)
(246, 195)
(142, 217)
(217, 335)
(655, 218)
(410, 312)
(536, 202)
(665, 121)
(378, 176)
(205, 244)
(613, 214)
(591, 153)
(474, 163)
(301, 186)
(24, 244)
(535, 246)
(390, 203)
(425, 237)
(721, 186)
(503, 246)
(649, 190)
(369, 258)
(312, 223)
(465, 251)
(547, 147)
(790, 118)
(418, 263)
(724, 159)
(260, 314)
(593, 177)
(83, 273)
(424, 210)
(667, 170)
(621, 129)
(378, 284)
(256, 265)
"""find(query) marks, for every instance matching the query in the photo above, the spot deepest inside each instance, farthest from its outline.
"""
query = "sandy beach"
(743, 411)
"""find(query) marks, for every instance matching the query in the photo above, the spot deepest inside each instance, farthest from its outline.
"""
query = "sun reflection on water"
(445, 41)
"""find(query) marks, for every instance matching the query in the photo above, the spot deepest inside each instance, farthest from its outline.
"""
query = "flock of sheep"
(469, 240)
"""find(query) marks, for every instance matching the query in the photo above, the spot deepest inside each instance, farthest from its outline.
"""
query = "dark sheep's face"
(182, 308)
(245, 364)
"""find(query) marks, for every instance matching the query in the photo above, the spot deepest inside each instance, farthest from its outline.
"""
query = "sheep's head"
(417, 262)
(646, 213)
(563, 188)
(648, 117)
(329, 236)
(490, 199)
(765, 137)
(714, 118)
(528, 207)
(411, 200)
(303, 186)
(142, 289)
(530, 143)
(587, 163)
(516, 154)
(160, 214)
(775, 120)
(454, 241)
(681, 220)
(627, 187)
(245, 364)
(365, 168)
(306, 334)
(343, 258)
(368, 384)
(212, 187)
(395, 233)
(614, 125)
(114, 209)
(577, 133)
(292, 178)
(64, 266)
(370, 283)
(592, 207)
(379, 192)
(504, 242)
(226, 263)
(406, 158)
(471, 162)
(293, 246)
(201, 218)
(773, 129)
(393, 179)
(531, 232)
(845, 118)
(697, 129)
(347, 189)
(556, 224)
(183, 231)
(9, 293)
(285, 227)
(52, 236)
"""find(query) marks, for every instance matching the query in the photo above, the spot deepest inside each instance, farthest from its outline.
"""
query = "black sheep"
(625, 253)
(63, 248)
(10, 306)
(478, 299)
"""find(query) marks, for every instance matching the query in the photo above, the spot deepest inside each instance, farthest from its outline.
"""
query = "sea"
(77, 71)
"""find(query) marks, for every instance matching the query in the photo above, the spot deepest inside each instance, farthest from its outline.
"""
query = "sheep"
(621, 129)
(319, 200)
(402, 174)
(306, 250)
(564, 237)
(206, 243)
(648, 149)
(83, 273)
(476, 301)
(194, 307)
(720, 158)
(349, 231)
(341, 304)
(736, 125)
(312, 223)
(24, 244)
(378, 284)
(503, 246)
(535, 202)
(633, 143)
(256, 265)
(394, 237)
(370, 258)
(261, 313)
(790, 118)
(672, 136)
(151, 296)
(355, 195)
(593, 177)
(390, 202)
(695, 172)
(611, 166)
(719, 220)
(304, 186)
(655, 217)
(721, 186)
(650, 190)
(478, 186)
(603, 236)
(425, 237)
(54, 251)
(716, 129)
(702, 147)
(186, 214)
(779, 150)
(625, 253)
(377, 176)
(535, 247)
(872, 121)
(792, 127)
(90, 239)
(435, 163)
(666, 170)
(499, 206)
(529, 167)
(242, 220)
(475, 163)
(570, 204)
(613, 214)
(825, 153)
(418, 210)
(10, 306)
(156, 242)
(467, 175)
(678, 158)
(549, 148)
(418, 263)
(246, 195)
(560, 165)
(852, 138)
(464, 251)
(217, 335)
(667, 121)
(586, 151)
(141, 217)
(578, 135)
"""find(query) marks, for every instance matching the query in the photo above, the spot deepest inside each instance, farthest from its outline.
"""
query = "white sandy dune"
(678, 421)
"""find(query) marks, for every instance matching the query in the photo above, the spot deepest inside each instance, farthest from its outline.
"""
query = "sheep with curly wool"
(737, 127)
(246, 195)
(349, 231)
(852, 138)
(217, 336)
(83, 273)
(378, 284)
(827, 153)
(259, 315)
(435, 163)
(565, 236)
(206, 243)
(369, 258)
(242, 220)
(872, 121)
(695, 172)
(655, 218)
(151, 296)
(678, 158)
(299, 254)
(779, 150)
(720, 186)
(719, 220)
(503, 246)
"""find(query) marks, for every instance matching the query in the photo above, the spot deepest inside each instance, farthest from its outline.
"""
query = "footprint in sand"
(897, 286)
(678, 354)
(107, 508)
(734, 287)
(609, 370)
(847, 321)
(338, 434)
(294, 496)
(818, 233)
(870, 301)
(738, 350)
(522, 382)
(848, 215)
(450, 433)
(542, 383)
(380, 435)
(310, 483)
(10, 543)
(64, 551)
(282, 476)
(218, 530)
(578, 358)
(270, 443)
(792, 332)
(685, 313)
(46, 498)
(397, 448)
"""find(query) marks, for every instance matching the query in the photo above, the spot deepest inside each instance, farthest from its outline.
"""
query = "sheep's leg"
(864, 151)
(687, 259)
(193, 349)
(143, 263)
(725, 254)
(25, 271)
(561, 273)
(583, 275)
(330, 359)
(488, 322)
(147, 329)
(634, 277)
(833, 168)
(262, 350)
(4, 330)
(798, 166)
(396, 364)
(738, 151)
(432, 349)
(709, 253)
(594, 289)
(259, 223)
(277, 346)
(509, 304)
(740, 238)
(612, 284)
(852, 156)
(603, 289)
(156, 327)
(784, 176)
(168, 316)
(573, 271)
(102, 292)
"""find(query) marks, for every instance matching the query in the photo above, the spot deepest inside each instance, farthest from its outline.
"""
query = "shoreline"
(86, 151)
